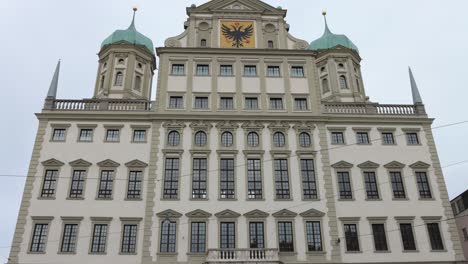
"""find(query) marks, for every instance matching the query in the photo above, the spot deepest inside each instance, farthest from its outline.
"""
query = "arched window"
(227, 139)
(343, 82)
(357, 85)
(279, 140)
(118, 79)
(325, 87)
(203, 43)
(138, 83)
(200, 138)
(270, 44)
(104, 66)
(173, 139)
(341, 65)
(253, 139)
(304, 140)
(121, 61)
(102, 81)
(139, 65)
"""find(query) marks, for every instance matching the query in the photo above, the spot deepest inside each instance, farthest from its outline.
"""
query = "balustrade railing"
(372, 108)
(253, 255)
(98, 105)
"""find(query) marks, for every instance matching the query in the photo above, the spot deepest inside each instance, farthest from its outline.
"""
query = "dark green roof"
(329, 40)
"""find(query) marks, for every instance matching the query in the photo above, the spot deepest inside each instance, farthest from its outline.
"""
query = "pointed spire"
(132, 25)
(52, 93)
(327, 30)
(414, 89)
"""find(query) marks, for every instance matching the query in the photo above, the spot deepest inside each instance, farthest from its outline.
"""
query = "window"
(351, 236)
(273, 71)
(253, 140)
(138, 83)
(337, 138)
(176, 102)
(423, 185)
(343, 82)
(39, 239)
(370, 182)
(325, 87)
(121, 61)
(397, 185)
(105, 184)
(251, 103)
(314, 236)
(118, 79)
(341, 66)
(139, 66)
(227, 181)
(203, 70)
(69, 237)
(304, 140)
(434, 236)
(139, 135)
(250, 70)
(362, 138)
(256, 235)
(309, 185)
(49, 184)
(460, 205)
(227, 139)
(407, 236)
(178, 69)
(59, 134)
(465, 234)
(134, 184)
(226, 70)
(281, 179)
(198, 237)
(279, 140)
(227, 235)
(77, 184)
(254, 179)
(103, 78)
(270, 44)
(357, 85)
(297, 71)
(380, 237)
(344, 185)
(168, 237)
(86, 135)
(276, 104)
(200, 139)
(171, 178)
(412, 138)
(387, 138)
(112, 135)
(203, 43)
(201, 102)
(300, 104)
(199, 178)
(226, 103)
(98, 244)
(129, 239)
(285, 237)
(173, 138)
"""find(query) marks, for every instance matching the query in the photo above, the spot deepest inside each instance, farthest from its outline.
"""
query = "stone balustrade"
(97, 105)
(252, 255)
(372, 109)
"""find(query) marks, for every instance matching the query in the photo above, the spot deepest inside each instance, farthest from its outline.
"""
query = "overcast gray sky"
(429, 35)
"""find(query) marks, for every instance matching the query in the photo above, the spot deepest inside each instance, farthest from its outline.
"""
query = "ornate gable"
(227, 214)
(236, 6)
(285, 213)
(52, 163)
(312, 213)
(368, 165)
(419, 165)
(256, 214)
(394, 165)
(108, 163)
(136, 164)
(80, 163)
(198, 214)
(342, 165)
(169, 214)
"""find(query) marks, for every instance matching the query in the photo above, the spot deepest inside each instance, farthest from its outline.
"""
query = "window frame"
(334, 141)
(39, 220)
(282, 182)
(248, 139)
(160, 236)
(55, 170)
(301, 98)
(178, 65)
(322, 244)
(234, 175)
(112, 183)
(199, 72)
(190, 240)
(145, 137)
(250, 66)
(379, 221)
(225, 98)
(69, 221)
(177, 96)
(356, 224)
(416, 172)
(315, 178)
(385, 131)
(251, 97)
(197, 97)
(174, 132)
(163, 195)
(85, 127)
(95, 222)
(192, 177)
(221, 141)
(129, 222)
(196, 139)
(277, 134)
(295, 67)
(225, 74)
(268, 73)
(293, 237)
(437, 223)
(377, 189)
(278, 98)
(256, 222)
(220, 234)
(113, 128)
(407, 221)
(352, 195)
(259, 170)
(71, 196)
(403, 184)
(359, 139)
(137, 170)
(409, 140)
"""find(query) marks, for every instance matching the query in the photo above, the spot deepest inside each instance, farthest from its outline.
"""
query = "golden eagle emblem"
(237, 34)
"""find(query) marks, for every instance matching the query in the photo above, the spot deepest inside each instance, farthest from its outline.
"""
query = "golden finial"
(135, 8)
(324, 12)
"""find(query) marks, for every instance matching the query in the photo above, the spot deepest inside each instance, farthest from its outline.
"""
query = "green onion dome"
(329, 40)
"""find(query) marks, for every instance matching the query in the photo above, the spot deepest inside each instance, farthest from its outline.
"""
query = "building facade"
(259, 148)
(460, 211)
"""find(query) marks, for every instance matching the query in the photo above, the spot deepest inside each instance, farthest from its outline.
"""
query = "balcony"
(254, 255)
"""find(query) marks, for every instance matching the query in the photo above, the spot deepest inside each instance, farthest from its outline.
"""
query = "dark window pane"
(344, 185)
(351, 235)
(199, 178)
(50, 183)
(423, 185)
(380, 238)
(106, 184)
(129, 239)
(227, 235)
(254, 177)
(397, 185)
(285, 237)
(314, 236)
(281, 179)
(171, 178)
(256, 235)
(435, 237)
(168, 237)
(98, 243)
(198, 237)
(309, 184)
(134, 184)
(370, 182)
(227, 179)
(39, 238)
(407, 237)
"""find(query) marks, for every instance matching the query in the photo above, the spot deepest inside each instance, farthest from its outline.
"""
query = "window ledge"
(46, 198)
(57, 141)
(128, 254)
(374, 200)
(346, 200)
(139, 142)
(283, 200)
(316, 253)
(410, 251)
(427, 199)
(133, 199)
(287, 253)
(75, 198)
(36, 253)
(199, 199)
(227, 200)
(170, 199)
(167, 254)
(438, 250)
(105, 141)
(382, 251)
(84, 141)
(414, 145)
(400, 199)
(98, 253)
(103, 199)
(196, 254)
(66, 253)
(255, 200)
(353, 252)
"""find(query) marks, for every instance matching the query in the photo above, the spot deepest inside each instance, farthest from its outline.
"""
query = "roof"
(330, 40)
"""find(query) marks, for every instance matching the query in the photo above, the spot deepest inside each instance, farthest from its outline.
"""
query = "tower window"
(343, 82)
(203, 43)
(325, 87)
(341, 66)
(138, 83)
(121, 61)
(357, 85)
(270, 44)
(102, 81)
(104, 66)
(118, 79)
(139, 66)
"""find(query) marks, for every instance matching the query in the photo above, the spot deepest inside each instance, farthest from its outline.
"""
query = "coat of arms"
(237, 34)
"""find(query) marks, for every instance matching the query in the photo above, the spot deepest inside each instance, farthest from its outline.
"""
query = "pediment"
(169, 214)
(108, 163)
(136, 164)
(201, 125)
(279, 125)
(253, 125)
(304, 126)
(368, 165)
(312, 213)
(80, 163)
(227, 125)
(256, 214)
(198, 214)
(174, 124)
(419, 165)
(394, 165)
(52, 163)
(285, 213)
(236, 6)
(227, 214)
(342, 165)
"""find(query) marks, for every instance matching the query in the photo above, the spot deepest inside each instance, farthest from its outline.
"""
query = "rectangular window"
(50, 183)
(370, 182)
(397, 185)
(134, 184)
(250, 70)
(227, 181)
(98, 244)
(226, 103)
(105, 184)
(309, 184)
(300, 104)
(412, 138)
(465, 234)
(171, 179)
(314, 236)
(168, 237)
(337, 138)
(198, 237)
(344, 185)
(460, 205)
(112, 135)
(39, 238)
(199, 178)
(434, 236)
(59, 134)
(254, 177)
(226, 70)
(203, 70)
(297, 71)
(139, 135)
(276, 104)
(129, 238)
(380, 237)
(256, 235)
(281, 179)
(201, 102)
(362, 138)
(273, 71)
(70, 232)
(227, 235)
(251, 103)
(178, 69)
(387, 138)
(86, 135)
(285, 237)
(423, 185)
(176, 102)
(77, 184)
(351, 236)
(407, 237)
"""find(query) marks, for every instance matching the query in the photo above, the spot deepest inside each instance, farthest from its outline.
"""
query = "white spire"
(414, 89)
(52, 93)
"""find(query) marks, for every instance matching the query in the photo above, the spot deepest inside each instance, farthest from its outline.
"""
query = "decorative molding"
(169, 214)
(227, 214)
(431, 218)
(394, 165)
(201, 125)
(304, 126)
(136, 164)
(342, 165)
(386, 129)
(80, 163)
(404, 218)
(52, 163)
(100, 219)
(108, 163)
(419, 165)
(72, 218)
(312, 213)
(340, 129)
(411, 129)
(368, 165)
(362, 129)
(60, 125)
(349, 219)
(198, 214)
(285, 213)
(279, 125)
(131, 219)
(251, 152)
(256, 214)
(174, 124)
(377, 218)
(42, 218)
(253, 125)
(227, 125)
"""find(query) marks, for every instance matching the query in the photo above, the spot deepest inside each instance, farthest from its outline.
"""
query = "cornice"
(224, 52)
